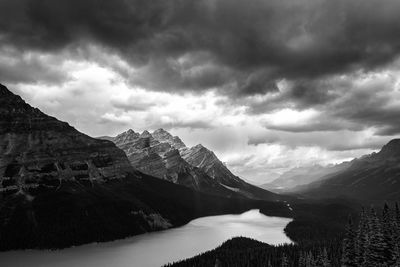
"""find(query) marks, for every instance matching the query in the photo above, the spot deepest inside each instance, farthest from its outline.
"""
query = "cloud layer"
(312, 77)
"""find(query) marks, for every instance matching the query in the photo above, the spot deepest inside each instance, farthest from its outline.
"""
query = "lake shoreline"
(198, 236)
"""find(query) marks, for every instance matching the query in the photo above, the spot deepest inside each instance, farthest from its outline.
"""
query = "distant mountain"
(371, 177)
(60, 187)
(165, 156)
(300, 176)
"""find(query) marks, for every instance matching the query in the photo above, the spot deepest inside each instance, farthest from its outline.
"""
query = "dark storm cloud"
(301, 39)
(242, 48)
(371, 105)
(15, 67)
(348, 102)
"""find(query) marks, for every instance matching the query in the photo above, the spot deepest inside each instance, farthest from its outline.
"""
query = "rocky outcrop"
(37, 149)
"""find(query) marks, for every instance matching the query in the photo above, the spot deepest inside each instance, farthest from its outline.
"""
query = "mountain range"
(165, 156)
(291, 180)
(373, 177)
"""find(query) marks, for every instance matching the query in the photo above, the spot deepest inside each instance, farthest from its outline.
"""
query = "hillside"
(371, 178)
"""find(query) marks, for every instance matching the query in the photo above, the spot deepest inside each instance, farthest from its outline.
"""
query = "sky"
(268, 85)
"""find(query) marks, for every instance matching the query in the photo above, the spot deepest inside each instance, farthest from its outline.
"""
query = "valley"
(62, 188)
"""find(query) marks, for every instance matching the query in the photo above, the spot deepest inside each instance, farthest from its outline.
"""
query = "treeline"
(245, 252)
(375, 242)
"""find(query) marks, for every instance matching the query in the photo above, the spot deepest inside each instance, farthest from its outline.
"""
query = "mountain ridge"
(303, 175)
(371, 177)
(149, 152)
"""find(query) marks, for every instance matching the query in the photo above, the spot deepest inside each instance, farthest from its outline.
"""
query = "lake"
(158, 248)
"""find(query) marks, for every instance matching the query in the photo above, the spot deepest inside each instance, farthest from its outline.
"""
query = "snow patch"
(230, 188)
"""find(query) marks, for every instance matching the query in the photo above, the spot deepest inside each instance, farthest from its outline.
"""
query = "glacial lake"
(159, 248)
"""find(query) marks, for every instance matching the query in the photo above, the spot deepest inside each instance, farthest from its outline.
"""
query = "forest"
(368, 239)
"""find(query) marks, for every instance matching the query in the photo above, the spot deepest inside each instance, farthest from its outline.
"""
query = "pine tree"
(388, 231)
(325, 259)
(285, 261)
(397, 222)
(349, 249)
(397, 215)
(310, 262)
(375, 250)
(302, 260)
(362, 239)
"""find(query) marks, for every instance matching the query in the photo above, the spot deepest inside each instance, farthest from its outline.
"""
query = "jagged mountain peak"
(128, 136)
(145, 134)
(162, 136)
(130, 131)
(200, 147)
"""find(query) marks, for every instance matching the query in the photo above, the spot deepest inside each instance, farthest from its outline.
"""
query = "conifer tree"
(325, 259)
(397, 223)
(348, 249)
(376, 246)
(285, 261)
(310, 262)
(302, 260)
(361, 239)
(388, 231)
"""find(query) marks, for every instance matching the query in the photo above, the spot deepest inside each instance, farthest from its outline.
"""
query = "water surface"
(156, 249)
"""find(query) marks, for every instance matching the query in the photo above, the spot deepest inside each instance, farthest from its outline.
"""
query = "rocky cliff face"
(36, 149)
(206, 160)
(165, 137)
(165, 156)
(158, 154)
